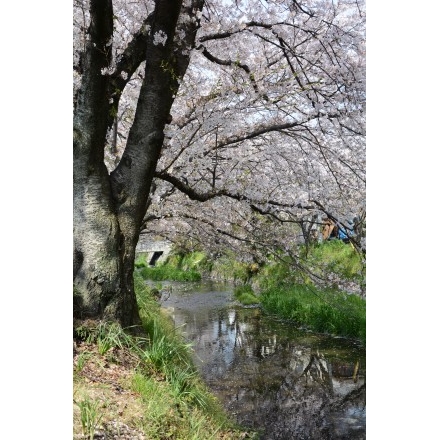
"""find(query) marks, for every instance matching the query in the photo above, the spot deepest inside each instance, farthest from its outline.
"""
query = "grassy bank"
(293, 295)
(196, 265)
(323, 311)
(177, 268)
(142, 387)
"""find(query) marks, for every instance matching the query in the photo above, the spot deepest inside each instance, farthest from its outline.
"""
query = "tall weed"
(90, 417)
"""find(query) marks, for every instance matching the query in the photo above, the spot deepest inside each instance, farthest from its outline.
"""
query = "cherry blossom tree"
(228, 115)
(297, 155)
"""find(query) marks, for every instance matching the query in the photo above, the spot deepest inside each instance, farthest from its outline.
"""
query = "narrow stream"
(287, 383)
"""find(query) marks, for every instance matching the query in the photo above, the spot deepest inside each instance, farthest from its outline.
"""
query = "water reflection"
(288, 383)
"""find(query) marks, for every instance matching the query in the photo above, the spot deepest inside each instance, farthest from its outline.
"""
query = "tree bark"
(109, 209)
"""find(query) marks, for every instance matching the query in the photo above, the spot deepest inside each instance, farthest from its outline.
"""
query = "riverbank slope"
(143, 387)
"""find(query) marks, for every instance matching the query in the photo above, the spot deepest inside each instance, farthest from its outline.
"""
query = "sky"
(402, 186)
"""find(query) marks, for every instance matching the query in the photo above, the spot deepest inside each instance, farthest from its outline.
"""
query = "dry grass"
(104, 380)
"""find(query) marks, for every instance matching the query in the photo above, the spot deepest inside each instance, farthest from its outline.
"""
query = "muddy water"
(270, 376)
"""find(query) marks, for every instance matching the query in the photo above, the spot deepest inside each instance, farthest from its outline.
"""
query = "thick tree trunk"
(109, 209)
(102, 289)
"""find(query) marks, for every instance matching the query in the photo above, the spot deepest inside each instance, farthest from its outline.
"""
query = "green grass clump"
(164, 272)
(245, 295)
(195, 260)
(229, 268)
(169, 416)
(177, 267)
(276, 274)
(90, 416)
(141, 261)
(324, 311)
(107, 335)
(337, 257)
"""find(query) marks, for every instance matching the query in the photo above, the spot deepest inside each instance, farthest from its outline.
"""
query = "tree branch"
(269, 129)
(208, 55)
(127, 64)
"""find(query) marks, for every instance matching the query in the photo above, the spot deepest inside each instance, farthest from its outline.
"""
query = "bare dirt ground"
(101, 381)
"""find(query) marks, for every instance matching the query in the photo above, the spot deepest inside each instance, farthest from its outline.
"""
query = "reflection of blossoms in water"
(270, 347)
(268, 374)
(300, 359)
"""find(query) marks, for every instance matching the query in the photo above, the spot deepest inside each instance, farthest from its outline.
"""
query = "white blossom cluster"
(160, 37)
